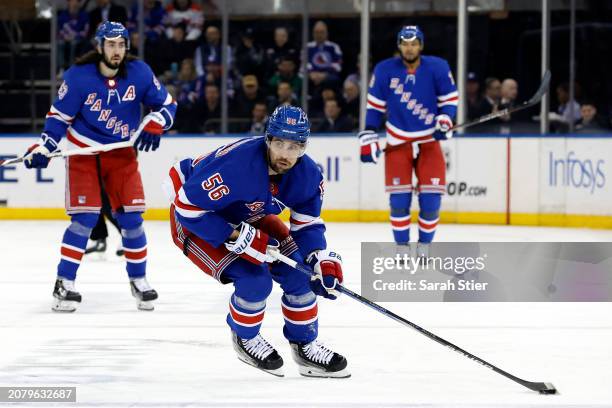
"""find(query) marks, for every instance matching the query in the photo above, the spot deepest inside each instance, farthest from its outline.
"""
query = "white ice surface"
(180, 354)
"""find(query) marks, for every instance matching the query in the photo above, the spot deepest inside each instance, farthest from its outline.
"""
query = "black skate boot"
(66, 298)
(99, 245)
(316, 360)
(144, 293)
(258, 353)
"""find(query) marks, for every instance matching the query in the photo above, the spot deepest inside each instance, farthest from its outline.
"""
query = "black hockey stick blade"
(541, 387)
(536, 98)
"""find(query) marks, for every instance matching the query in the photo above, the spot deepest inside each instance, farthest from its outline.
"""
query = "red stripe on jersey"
(410, 138)
(184, 206)
(176, 180)
(296, 222)
(302, 315)
(75, 141)
(71, 253)
(246, 319)
(135, 256)
(376, 105)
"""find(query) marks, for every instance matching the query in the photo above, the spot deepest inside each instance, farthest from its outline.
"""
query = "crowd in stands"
(185, 53)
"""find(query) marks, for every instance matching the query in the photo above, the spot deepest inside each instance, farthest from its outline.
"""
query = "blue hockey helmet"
(409, 33)
(111, 30)
(289, 122)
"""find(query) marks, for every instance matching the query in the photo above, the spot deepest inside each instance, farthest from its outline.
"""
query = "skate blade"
(147, 306)
(319, 373)
(279, 372)
(64, 306)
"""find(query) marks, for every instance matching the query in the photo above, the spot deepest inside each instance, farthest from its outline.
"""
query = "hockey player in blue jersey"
(223, 218)
(419, 97)
(99, 103)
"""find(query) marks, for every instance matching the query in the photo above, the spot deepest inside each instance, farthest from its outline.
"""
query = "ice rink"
(180, 355)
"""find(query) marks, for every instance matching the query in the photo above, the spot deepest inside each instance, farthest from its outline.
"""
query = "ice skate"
(258, 353)
(316, 360)
(144, 293)
(99, 245)
(422, 252)
(66, 298)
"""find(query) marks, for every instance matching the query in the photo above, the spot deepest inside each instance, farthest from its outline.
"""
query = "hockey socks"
(429, 215)
(134, 242)
(74, 243)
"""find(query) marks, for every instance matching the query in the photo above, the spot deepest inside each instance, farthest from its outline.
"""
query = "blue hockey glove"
(327, 266)
(444, 124)
(37, 153)
(150, 136)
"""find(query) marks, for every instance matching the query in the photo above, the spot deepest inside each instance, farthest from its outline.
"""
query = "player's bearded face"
(410, 50)
(114, 52)
(283, 154)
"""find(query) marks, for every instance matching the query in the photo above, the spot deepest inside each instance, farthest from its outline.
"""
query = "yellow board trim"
(446, 217)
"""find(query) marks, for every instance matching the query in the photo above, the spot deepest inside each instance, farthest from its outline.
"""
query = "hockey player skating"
(99, 103)
(223, 218)
(419, 97)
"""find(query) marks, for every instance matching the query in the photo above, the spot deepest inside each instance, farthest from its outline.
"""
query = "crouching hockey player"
(223, 218)
(99, 103)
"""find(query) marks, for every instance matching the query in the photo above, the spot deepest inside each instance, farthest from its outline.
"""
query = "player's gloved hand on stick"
(150, 136)
(37, 154)
(444, 124)
(370, 149)
(327, 266)
(252, 244)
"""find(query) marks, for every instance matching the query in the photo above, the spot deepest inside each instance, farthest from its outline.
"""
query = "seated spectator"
(281, 49)
(73, 27)
(208, 59)
(286, 71)
(106, 11)
(259, 119)
(489, 104)
(472, 96)
(249, 57)
(189, 94)
(284, 96)
(188, 14)
(590, 121)
(246, 97)
(324, 58)
(351, 99)
(318, 101)
(177, 48)
(566, 105)
(211, 109)
(154, 15)
(335, 121)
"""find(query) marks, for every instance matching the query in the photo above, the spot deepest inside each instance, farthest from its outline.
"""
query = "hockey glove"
(444, 124)
(327, 266)
(150, 136)
(370, 149)
(36, 156)
(252, 244)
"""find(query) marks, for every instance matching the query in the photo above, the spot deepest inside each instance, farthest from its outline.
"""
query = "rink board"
(497, 180)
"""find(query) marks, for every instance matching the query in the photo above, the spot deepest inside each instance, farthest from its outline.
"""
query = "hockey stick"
(81, 150)
(536, 98)
(541, 387)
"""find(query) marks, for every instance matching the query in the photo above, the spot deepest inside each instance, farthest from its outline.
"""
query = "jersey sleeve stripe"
(448, 96)
(376, 101)
(299, 221)
(452, 102)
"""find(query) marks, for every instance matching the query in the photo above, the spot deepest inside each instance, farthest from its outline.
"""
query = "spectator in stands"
(317, 104)
(492, 97)
(590, 121)
(176, 49)
(73, 27)
(211, 109)
(335, 121)
(246, 97)
(106, 11)
(281, 49)
(509, 92)
(351, 99)
(284, 96)
(187, 13)
(286, 71)
(208, 53)
(189, 95)
(259, 119)
(249, 57)
(154, 15)
(324, 58)
(566, 106)
(472, 96)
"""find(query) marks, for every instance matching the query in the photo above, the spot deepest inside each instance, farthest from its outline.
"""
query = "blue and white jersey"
(94, 110)
(411, 100)
(324, 57)
(219, 190)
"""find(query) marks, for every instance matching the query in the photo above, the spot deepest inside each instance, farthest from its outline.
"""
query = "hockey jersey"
(411, 100)
(215, 192)
(324, 57)
(91, 109)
